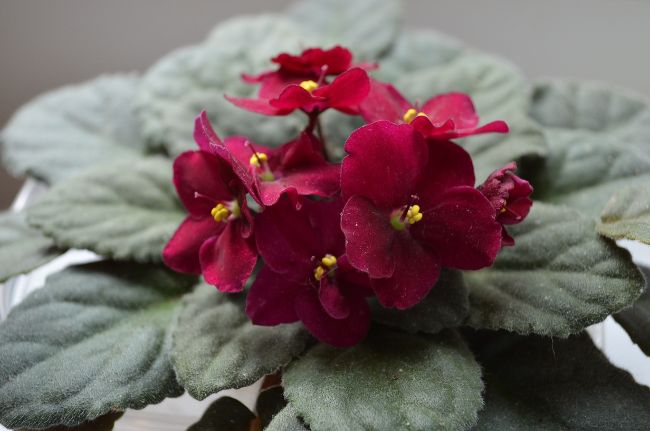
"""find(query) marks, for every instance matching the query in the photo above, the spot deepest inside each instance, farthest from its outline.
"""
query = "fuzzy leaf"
(102, 423)
(286, 420)
(446, 306)
(636, 319)
(216, 347)
(498, 89)
(536, 383)
(225, 414)
(126, 210)
(21, 247)
(367, 27)
(599, 142)
(627, 215)
(559, 278)
(68, 130)
(95, 339)
(391, 381)
(180, 85)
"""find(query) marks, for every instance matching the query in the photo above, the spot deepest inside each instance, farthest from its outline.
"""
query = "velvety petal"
(384, 102)
(457, 107)
(241, 149)
(449, 165)
(272, 83)
(423, 124)
(303, 151)
(270, 299)
(204, 135)
(227, 260)
(416, 271)
(497, 126)
(286, 238)
(506, 239)
(325, 217)
(516, 211)
(461, 228)
(336, 332)
(332, 299)
(202, 180)
(336, 59)
(295, 97)
(351, 280)
(259, 106)
(317, 181)
(346, 91)
(181, 253)
(384, 163)
(369, 237)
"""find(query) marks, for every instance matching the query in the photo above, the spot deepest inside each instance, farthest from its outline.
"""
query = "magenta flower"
(509, 196)
(442, 117)
(411, 209)
(307, 276)
(216, 237)
(296, 168)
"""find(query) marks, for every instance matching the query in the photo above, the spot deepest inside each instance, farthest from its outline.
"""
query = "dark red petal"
(317, 181)
(294, 97)
(498, 126)
(506, 239)
(182, 251)
(205, 174)
(332, 299)
(272, 83)
(241, 149)
(350, 279)
(449, 166)
(259, 106)
(270, 299)
(416, 271)
(369, 237)
(347, 90)
(457, 107)
(516, 211)
(336, 332)
(461, 228)
(227, 260)
(423, 124)
(384, 102)
(204, 135)
(384, 163)
(311, 60)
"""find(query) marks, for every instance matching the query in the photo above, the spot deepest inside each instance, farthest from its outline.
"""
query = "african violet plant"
(378, 258)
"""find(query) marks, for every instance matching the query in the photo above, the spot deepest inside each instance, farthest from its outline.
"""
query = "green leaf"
(216, 347)
(446, 306)
(391, 381)
(367, 27)
(599, 140)
(559, 278)
(225, 414)
(177, 88)
(68, 130)
(102, 423)
(499, 91)
(126, 210)
(21, 247)
(286, 420)
(536, 383)
(95, 339)
(636, 319)
(627, 215)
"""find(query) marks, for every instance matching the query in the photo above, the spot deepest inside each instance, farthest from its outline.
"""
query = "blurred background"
(46, 44)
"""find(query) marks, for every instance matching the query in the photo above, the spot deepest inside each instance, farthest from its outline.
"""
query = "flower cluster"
(401, 206)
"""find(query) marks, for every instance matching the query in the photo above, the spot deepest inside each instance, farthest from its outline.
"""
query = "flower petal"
(346, 91)
(457, 107)
(259, 106)
(416, 271)
(332, 299)
(227, 260)
(369, 237)
(336, 332)
(182, 251)
(317, 181)
(461, 228)
(204, 135)
(384, 102)
(295, 97)
(271, 297)
(384, 163)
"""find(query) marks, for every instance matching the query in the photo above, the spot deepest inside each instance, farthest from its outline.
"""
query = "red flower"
(442, 117)
(509, 196)
(411, 209)
(216, 237)
(296, 168)
(307, 276)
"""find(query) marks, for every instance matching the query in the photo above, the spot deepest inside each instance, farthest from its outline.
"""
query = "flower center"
(309, 85)
(408, 215)
(223, 213)
(327, 264)
(410, 115)
(259, 162)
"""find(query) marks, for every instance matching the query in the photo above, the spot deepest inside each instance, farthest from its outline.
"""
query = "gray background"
(49, 43)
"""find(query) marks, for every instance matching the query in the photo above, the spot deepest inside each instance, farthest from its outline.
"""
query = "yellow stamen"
(257, 159)
(410, 115)
(220, 213)
(413, 214)
(319, 272)
(329, 260)
(502, 210)
(309, 85)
